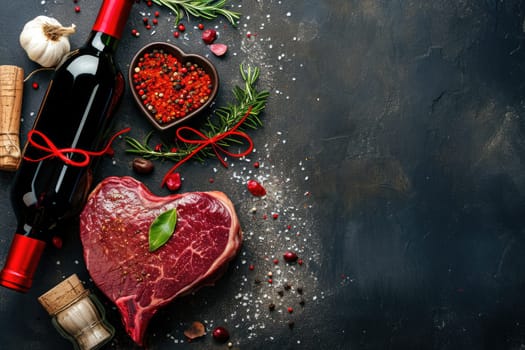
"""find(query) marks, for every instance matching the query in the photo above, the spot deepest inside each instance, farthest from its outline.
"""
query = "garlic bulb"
(45, 40)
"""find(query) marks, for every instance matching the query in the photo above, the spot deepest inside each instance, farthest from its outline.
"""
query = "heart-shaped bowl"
(169, 86)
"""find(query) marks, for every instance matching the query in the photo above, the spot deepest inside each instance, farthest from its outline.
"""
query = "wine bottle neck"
(112, 17)
(102, 42)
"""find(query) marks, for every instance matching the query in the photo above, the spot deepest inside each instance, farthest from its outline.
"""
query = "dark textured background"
(393, 145)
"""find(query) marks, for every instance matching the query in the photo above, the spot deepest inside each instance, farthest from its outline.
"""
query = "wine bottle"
(71, 127)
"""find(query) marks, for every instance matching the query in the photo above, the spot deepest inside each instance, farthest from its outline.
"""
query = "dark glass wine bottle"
(75, 116)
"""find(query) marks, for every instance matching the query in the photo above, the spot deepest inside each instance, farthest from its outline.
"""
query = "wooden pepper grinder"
(11, 92)
(77, 315)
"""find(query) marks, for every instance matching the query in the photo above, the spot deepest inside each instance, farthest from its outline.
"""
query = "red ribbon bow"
(205, 141)
(62, 153)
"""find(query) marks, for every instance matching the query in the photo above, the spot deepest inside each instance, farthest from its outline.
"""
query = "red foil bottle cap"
(112, 17)
(21, 264)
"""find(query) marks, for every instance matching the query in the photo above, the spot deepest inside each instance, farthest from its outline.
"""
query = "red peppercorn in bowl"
(169, 86)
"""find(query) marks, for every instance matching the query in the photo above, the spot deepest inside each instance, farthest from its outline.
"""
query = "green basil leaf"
(161, 229)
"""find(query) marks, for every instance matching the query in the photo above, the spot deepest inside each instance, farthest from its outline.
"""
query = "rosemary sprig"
(207, 9)
(248, 99)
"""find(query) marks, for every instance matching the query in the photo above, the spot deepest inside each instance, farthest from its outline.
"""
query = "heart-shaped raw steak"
(114, 228)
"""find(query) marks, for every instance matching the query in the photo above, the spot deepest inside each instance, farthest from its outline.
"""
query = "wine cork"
(11, 92)
(62, 295)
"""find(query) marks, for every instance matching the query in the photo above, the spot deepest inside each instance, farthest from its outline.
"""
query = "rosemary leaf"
(207, 9)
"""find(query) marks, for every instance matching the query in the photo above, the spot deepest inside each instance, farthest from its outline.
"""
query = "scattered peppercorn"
(302, 302)
(57, 242)
(181, 27)
(176, 34)
(256, 165)
(290, 256)
(280, 293)
(271, 306)
(291, 324)
(275, 216)
(77, 9)
(221, 334)
(35, 85)
(290, 309)
(300, 290)
(200, 26)
(287, 286)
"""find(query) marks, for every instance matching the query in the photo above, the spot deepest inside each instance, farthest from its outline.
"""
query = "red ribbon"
(62, 153)
(205, 141)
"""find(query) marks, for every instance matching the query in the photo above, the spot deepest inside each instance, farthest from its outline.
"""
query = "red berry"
(221, 334)
(181, 27)
(209, 36)
(176, 34)
(201, 26)
(157, 13)
(35, 85)
(77, 9)
(290, 256)
(256, 165)
(173, 182)
(256, 188)
(57, 242)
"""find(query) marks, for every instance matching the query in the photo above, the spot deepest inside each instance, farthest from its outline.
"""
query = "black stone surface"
(392, 151)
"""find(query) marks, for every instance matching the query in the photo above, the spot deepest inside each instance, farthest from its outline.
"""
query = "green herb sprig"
(207, 9)
(247, 98)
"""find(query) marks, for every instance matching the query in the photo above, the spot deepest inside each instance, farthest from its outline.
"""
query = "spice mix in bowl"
(169, 86)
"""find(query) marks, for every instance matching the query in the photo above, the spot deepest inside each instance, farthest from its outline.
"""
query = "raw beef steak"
(114, 228)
